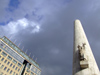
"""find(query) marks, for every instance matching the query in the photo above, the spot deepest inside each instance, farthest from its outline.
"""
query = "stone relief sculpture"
(82, 56)
(82, 52)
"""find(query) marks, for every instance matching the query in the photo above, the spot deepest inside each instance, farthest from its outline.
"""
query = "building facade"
(14, 61)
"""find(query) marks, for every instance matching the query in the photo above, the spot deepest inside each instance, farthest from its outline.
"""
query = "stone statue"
(82, 51)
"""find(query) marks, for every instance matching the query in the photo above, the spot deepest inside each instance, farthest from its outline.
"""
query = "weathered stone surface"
(91, 67)
(84, 64)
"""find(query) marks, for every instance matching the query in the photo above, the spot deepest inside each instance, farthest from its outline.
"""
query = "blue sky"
(45, 28)
(13, 4)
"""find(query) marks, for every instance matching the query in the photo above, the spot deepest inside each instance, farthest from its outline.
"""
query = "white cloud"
(14, 27)
(36, 29)
(23, 22)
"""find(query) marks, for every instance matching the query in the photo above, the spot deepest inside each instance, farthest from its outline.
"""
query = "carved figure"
(82, 51)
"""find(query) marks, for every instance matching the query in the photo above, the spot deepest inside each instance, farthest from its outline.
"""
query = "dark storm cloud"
(53, 44)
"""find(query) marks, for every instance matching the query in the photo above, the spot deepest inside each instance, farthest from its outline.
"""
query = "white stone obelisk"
(83, 64)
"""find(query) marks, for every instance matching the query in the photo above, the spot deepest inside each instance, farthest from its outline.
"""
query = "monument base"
(84, 64)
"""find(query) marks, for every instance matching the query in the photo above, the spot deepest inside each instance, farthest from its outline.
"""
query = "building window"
(19, 64)
(4, 54)
(4, 46)
(2, 59)
(5, 68)
(10, 58)
(16, 74)
(8, 70)
(13, 66)
(5, 61)
(1, 44)
(16, 68)
(8, 63)
(0, 56)
(28, 70)
(32, 73)
(2, 66)
(14, 61)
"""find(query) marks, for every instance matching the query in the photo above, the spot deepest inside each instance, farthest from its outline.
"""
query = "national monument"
(83, 60)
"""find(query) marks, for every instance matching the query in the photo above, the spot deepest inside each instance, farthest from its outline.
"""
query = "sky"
(45, 29)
